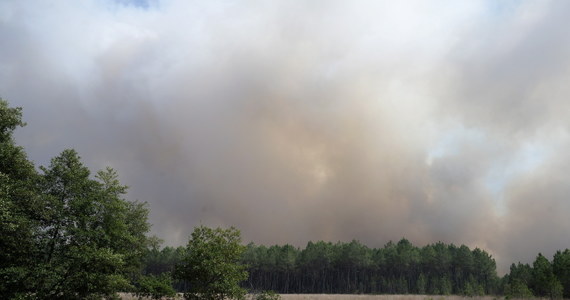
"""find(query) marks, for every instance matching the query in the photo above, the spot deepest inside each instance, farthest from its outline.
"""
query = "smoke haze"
(319, 120)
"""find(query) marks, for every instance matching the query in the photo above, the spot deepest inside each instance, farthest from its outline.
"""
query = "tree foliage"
(20, 208)
(64, 234)
(561, 269)
(155, 287)
(91, 238)
(544, 282)
(211, 264)
(516, 283)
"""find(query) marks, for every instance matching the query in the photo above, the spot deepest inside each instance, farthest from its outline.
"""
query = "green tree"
(421, 284)
(521, 272)
(462, 268)
(544, 283)
(155, 286)
(484, 272)
(518, 290)
(20, 209)
(517, 282)
(445, 286)
(211, 265)
(561, 268)
(315, 263)
(92, 240)
(64, 235)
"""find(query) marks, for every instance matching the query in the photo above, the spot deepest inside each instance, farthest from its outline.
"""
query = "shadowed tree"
(561, 268)
(518, 281)
(544, 283)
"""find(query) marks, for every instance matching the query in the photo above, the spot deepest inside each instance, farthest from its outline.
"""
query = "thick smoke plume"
(296, 121)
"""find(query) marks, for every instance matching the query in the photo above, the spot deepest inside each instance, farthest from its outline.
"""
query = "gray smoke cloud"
(320, 120)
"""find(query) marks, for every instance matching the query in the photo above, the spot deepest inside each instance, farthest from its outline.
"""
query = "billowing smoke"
(297, 121)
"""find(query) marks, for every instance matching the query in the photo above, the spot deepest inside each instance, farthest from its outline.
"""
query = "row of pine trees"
(397, 268)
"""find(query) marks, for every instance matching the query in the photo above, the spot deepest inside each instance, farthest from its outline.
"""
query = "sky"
(309, 120)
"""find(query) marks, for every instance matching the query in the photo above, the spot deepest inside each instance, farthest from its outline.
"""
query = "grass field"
(377, 297)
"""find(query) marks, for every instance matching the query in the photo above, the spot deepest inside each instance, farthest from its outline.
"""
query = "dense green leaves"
(156, 287)
(211, 264)
(91, 240)
(20, 208)
(543, 281)
(516, 283)
(64, 235)
(561, 268)
(10, 119)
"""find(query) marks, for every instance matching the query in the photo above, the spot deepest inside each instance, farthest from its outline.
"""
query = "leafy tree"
(64, 235)
(544, 283)
(20, 209)
(520, 272)
(484, 272)
(92, 240)
(561, 268)
(212, 265)
(462, 268)
(556, 289)
(517, 282)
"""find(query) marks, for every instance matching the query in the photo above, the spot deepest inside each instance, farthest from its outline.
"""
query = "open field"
(359, 297)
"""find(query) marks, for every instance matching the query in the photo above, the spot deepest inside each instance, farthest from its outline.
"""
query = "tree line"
(353, 268)
(397, 268)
